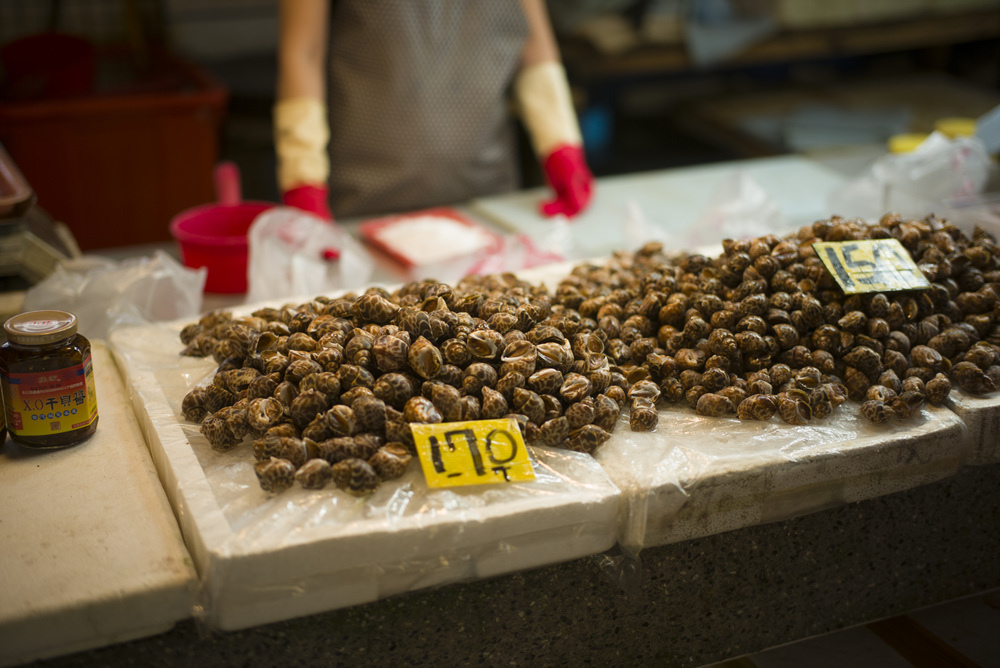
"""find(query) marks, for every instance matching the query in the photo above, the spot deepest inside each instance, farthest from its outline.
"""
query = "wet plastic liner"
(264, 558)
(695, 476)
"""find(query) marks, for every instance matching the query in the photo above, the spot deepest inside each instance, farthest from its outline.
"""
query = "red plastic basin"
(215, 236)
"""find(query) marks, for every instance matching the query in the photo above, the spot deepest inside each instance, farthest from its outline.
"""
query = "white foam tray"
(695, 476)
(263, 559)
(982, 418)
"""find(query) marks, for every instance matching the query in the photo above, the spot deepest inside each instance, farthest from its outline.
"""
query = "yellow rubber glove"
(542, 93)
(301, 135)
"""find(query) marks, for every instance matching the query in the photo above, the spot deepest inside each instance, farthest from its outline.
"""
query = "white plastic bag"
(290, 255)
(638, 230)
(739, 208)
(104, 294)
(917, 183)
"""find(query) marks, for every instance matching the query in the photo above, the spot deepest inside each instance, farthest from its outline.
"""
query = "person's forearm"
(540, 86)
(302, 49)
(546, 106)
(301, 128)
(540, 46)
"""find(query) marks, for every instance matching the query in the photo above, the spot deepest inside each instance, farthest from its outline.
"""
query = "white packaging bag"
(296, 254)
(105, 294)
(916, 183)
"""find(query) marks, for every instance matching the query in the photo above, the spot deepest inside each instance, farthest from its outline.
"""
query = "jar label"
(51, 402)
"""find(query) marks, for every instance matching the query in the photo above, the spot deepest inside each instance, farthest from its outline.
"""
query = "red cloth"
(313, 199)
(567, 172)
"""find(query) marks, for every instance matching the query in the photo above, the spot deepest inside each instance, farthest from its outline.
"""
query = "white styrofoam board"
(263, 559)
(696, 476)
(982, 418)
(670, 200)
(92, 554)
(677, 485)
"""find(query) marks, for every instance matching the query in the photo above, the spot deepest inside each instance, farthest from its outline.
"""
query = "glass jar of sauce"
(47, 378)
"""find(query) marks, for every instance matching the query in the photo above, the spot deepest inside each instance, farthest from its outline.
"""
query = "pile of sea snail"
(328, 388)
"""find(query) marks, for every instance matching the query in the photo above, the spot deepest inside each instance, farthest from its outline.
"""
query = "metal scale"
(32, 244)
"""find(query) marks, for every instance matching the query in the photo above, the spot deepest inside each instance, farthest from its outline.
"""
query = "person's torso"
(418, 113)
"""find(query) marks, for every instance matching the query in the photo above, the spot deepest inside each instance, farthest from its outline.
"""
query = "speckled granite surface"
(687, 604)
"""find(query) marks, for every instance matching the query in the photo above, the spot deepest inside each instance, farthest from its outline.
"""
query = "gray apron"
(418, 102)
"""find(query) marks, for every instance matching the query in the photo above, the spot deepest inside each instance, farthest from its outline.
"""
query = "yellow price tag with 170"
(476, 452)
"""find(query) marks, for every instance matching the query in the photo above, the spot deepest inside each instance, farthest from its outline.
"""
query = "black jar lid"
(39, 328)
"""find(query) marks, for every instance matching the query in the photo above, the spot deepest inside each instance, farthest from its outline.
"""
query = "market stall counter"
(92, 554)
(732, 536)
(684, 604)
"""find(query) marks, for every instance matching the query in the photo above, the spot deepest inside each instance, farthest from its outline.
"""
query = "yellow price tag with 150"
(476, 452)
(871, 265)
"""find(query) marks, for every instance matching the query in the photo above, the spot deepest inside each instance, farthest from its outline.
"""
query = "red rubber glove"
(567, 172)
(312, 199)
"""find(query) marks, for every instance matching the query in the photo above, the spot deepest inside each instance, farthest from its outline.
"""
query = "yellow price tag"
(871, 265)
(472, 453)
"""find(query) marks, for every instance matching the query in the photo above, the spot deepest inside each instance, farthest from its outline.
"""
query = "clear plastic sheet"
(739, 208)
(917, 183)
(264, 558)
(104, 293)
(292, 253)
(696, 476)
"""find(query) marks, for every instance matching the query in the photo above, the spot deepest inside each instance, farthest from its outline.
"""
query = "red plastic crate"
(116, 167)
